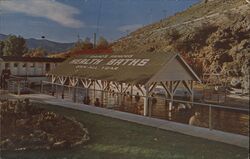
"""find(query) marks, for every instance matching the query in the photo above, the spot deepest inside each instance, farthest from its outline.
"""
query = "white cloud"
(129, 28)
(50, 9)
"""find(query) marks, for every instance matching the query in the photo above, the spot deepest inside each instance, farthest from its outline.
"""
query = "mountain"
(212, 34)
(49, 46)
(2, 36)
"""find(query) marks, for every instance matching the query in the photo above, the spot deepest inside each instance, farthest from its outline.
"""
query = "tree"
(87, 44)
(102, 43)
(1, 47)
(37, 52)
(14, 46)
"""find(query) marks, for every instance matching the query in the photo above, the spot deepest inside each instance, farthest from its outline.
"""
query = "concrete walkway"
(229, 138)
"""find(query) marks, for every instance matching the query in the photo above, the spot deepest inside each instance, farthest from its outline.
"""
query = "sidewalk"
(229, 138)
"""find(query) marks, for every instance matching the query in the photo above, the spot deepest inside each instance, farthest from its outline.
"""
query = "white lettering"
(97, 61)
(111, 62)
(126, 61)
(134, 62)
(118, 62)
(143, 62)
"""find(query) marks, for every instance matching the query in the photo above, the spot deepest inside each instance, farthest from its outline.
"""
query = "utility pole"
(78, 38)
(151, 15)
(94, 40)
(164, 13)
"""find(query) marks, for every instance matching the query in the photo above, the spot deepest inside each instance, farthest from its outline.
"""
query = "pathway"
(229, 138)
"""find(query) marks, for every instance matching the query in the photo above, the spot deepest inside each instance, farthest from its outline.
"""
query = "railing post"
(74, 94)
(63, 91)
(18, 88)
(56, 92)
(41, 91)
(210, 117)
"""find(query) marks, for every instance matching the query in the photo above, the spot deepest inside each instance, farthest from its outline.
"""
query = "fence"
(224, 118)
(20, 85)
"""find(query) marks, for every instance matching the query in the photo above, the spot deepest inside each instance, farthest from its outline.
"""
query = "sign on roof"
(128, 68)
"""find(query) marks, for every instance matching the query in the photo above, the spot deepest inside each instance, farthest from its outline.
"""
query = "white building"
(34, 68)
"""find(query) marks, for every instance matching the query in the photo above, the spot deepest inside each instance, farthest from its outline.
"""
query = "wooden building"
(123, 72)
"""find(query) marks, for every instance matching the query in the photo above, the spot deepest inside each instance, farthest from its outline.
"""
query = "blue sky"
(64, 20)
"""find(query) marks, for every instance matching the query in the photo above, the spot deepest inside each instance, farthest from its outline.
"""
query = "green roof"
(127, 68)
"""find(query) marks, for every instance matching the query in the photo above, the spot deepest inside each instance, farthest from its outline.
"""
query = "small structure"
(34, 68)
(126, 72)
(215, 84)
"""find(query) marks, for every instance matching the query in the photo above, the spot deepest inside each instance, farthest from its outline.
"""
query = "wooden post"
(145, 113)
(210, 117)
(120, 96)
(74, 94)
(62, 91)
(171, 96)
(192, 92)
(94, 91)
(102, 93)
(41, 91)
(131, 92)
(18, 88)
(56, 92)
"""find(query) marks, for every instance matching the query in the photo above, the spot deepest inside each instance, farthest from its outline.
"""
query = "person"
(5, 75)
(137, 97)
(154, 100)
(86, 100)
(128, 96)
(195, 119)
(185, 98)
(97, 102)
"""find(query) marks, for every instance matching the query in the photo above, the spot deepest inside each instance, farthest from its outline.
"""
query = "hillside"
(49, 46)
(215, 33)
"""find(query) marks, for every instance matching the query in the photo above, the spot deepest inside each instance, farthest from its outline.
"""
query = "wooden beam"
(126, 88)
(84, 82)
(106, 86)
(152, 87)
(146, 104)
(176, 86)
(185, 83)
(99, 84)
(116, 86)
(140, 89)
(62, 79)
(53, 79)
(73, 81)
(166, 88)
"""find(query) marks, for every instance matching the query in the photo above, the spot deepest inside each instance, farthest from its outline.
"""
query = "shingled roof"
(29, 59)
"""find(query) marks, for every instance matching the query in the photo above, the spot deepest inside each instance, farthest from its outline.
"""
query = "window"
(15, 65)
(32, 65)
(47, 67)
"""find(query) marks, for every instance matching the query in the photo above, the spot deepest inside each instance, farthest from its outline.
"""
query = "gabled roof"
(29, 59)
(127, 68)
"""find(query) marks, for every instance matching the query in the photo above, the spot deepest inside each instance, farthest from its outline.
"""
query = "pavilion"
(128, 71)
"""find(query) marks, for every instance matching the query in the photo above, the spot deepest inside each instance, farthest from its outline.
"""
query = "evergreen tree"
(1, 47)
(102, 43)
(14, 46)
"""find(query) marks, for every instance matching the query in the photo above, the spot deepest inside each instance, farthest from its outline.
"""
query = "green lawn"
(116, 139)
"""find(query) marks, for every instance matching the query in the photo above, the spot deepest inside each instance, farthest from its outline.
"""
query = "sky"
(69, 20)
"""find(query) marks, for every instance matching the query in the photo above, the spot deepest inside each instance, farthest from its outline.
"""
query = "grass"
(116, 139)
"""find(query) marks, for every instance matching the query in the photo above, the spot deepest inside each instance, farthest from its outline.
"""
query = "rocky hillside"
(213, 33)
